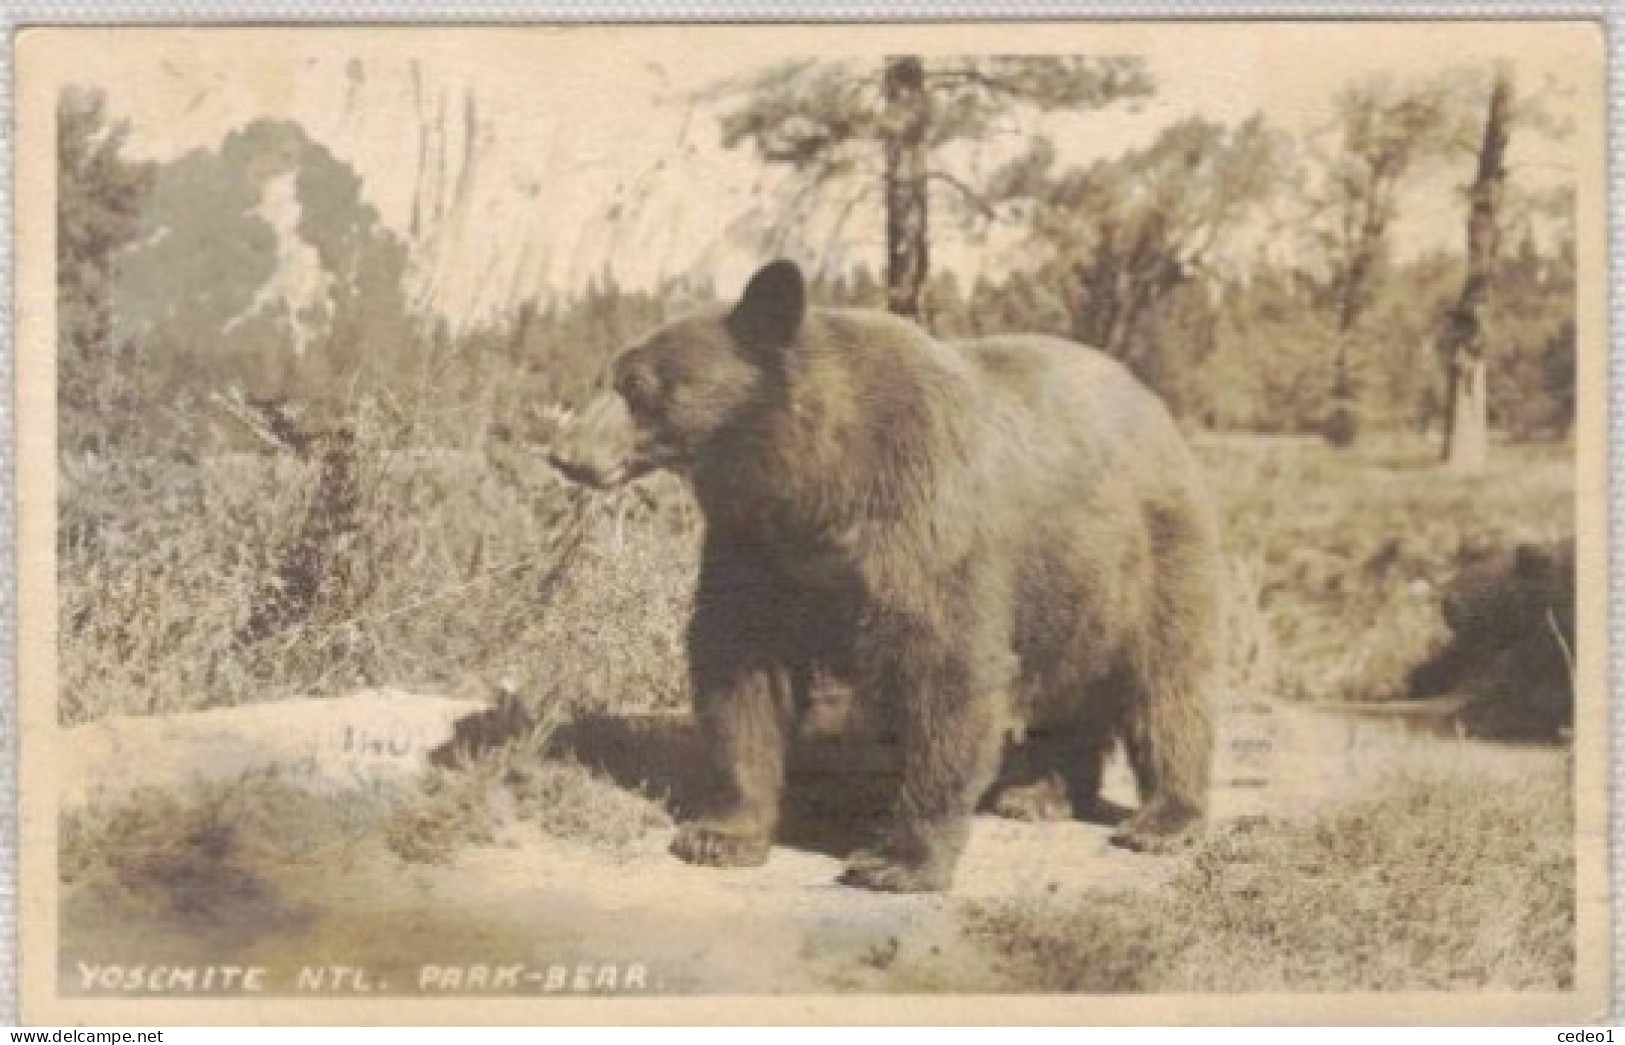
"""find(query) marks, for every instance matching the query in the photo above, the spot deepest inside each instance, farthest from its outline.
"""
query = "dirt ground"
(529, 913)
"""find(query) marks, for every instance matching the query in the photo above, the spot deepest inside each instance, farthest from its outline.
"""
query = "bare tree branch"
(966, 193)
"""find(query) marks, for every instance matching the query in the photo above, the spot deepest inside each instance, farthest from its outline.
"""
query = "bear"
(992, 540)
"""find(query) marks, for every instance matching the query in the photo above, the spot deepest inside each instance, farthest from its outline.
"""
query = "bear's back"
(1038, 374)
(1074, 399)
(1050, 417)
(1045, 373)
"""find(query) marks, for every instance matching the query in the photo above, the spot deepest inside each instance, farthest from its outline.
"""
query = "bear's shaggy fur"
(986, 539)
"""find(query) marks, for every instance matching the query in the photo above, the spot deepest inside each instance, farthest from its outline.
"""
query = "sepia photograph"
(1051, 522)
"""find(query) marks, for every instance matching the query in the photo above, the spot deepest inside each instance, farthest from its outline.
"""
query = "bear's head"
(672, 395)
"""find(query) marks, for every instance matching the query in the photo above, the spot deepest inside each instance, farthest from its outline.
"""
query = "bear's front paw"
(883, 874)
(712, 844)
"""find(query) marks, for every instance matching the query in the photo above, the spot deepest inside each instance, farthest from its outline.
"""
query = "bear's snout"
(595, 446)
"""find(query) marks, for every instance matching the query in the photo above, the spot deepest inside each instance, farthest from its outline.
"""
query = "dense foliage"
(1208, 260)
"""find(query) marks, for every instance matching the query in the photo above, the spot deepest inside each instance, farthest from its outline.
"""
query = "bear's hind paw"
(870, 870)
(711, 845)
(1043, 800)
(1158, 832)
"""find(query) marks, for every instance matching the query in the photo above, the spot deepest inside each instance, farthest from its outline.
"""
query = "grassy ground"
(1338, 558)
(1439, 879)
(1427, 885)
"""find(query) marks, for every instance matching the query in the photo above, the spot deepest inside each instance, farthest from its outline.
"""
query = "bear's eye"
(640, 389)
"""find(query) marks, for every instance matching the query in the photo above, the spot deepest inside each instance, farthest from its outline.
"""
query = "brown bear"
(984, 539)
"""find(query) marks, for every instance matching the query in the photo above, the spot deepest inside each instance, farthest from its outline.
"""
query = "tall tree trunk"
(907, 117)
(1342, 426)
(1466, 440)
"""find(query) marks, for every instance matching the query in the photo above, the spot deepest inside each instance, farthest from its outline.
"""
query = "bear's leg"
(745, 704)
(1033, 781)
(1169, 742)
(1086, 769)
(744, 727)
(1056, 772)
(951, 717)
(1167, 725)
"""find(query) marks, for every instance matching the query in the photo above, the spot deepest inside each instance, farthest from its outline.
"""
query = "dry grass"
(200, 853)
(475, 804)
(209, 852)
(468, 569)
(1429, 885)
(509, 782)
(449, 569)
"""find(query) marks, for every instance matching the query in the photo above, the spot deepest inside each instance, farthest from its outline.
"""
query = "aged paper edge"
(43, 55)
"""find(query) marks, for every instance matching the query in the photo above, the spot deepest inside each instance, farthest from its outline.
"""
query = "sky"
(521, 163)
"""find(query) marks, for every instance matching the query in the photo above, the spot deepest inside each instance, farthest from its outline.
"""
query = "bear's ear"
(771, 311)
